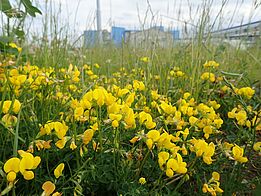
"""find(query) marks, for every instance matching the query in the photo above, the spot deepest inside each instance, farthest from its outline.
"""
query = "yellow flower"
(9, 120)
(193, 120)
(208, 76)
(134, 139)
(213, 185)
(73, 145)
(27, 163)
(78, 112)
(216, 176)
(149, 143)
(144, 59)
(213, 64)
(257, 146)
(87, 136)
(241, 117)
(246, 92)
(238, 154)
(142, 180)
(154, 135)
(162, 158)
(7, 104)
(60, 129)
(11, 167)
(13, 45)
(48, 188)
(61, 143)
(59, 170)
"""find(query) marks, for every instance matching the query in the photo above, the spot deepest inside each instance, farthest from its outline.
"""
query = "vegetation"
(127, 121)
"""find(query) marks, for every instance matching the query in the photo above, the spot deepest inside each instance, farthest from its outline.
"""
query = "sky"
(78, 15)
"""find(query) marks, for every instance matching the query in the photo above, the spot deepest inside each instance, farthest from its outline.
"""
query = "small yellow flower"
(73, 145)
(213, 64)
(238, 154)
(216, 176)
(59, 170)
(11, 167)
(48, 188)
(134, 140)
(142, 180)
(145, 59)
(15, 108)
(257, 146)
(9, 120)
(87, 136)
(27, 163)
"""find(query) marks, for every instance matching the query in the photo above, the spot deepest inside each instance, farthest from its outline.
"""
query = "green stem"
(15, 148)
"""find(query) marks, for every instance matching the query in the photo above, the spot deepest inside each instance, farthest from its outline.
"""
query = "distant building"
(145, 38)
(118, 35)
(246, 34)
(90, 38)
(153, 36)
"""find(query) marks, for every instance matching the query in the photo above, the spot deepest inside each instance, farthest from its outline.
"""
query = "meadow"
(113, 120)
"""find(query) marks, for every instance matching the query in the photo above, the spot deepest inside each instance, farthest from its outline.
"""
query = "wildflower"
(193, 120)
(154, 135)
(134, 140)
(246, 92)
(257, 146)
(61, 143)
(7, 104)
(213, 185)
(142, 180)
(27, 163)
(48, 188)
(144, 59)
(238, 154)
(73, 145)
(13, 45)
(138, 85)
(241, 117)
(11, 167)
(201, 148)
(149, 143)
(213, 64)
(208, 76)
(9, 120)
(115, 119)
(78, 112)
(162, 158)
(87, 136)
(58, 170)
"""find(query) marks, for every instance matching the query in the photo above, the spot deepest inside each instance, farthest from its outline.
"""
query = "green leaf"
(20, 33)
(5, 5)
(32, 10)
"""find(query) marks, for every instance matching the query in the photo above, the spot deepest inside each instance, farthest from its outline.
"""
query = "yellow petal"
(12, 165)
(48, 188)
(27, 162)
(58, 170)
(11, 176)
(216, 176)
(28, 175)
(37, 161)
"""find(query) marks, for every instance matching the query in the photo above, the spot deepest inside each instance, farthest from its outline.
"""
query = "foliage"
(78, 129)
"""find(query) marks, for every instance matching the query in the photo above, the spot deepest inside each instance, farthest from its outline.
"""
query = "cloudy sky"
(80, 15)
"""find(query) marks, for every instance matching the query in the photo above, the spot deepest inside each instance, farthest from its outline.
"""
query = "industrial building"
(136, 38)
(242, 35)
